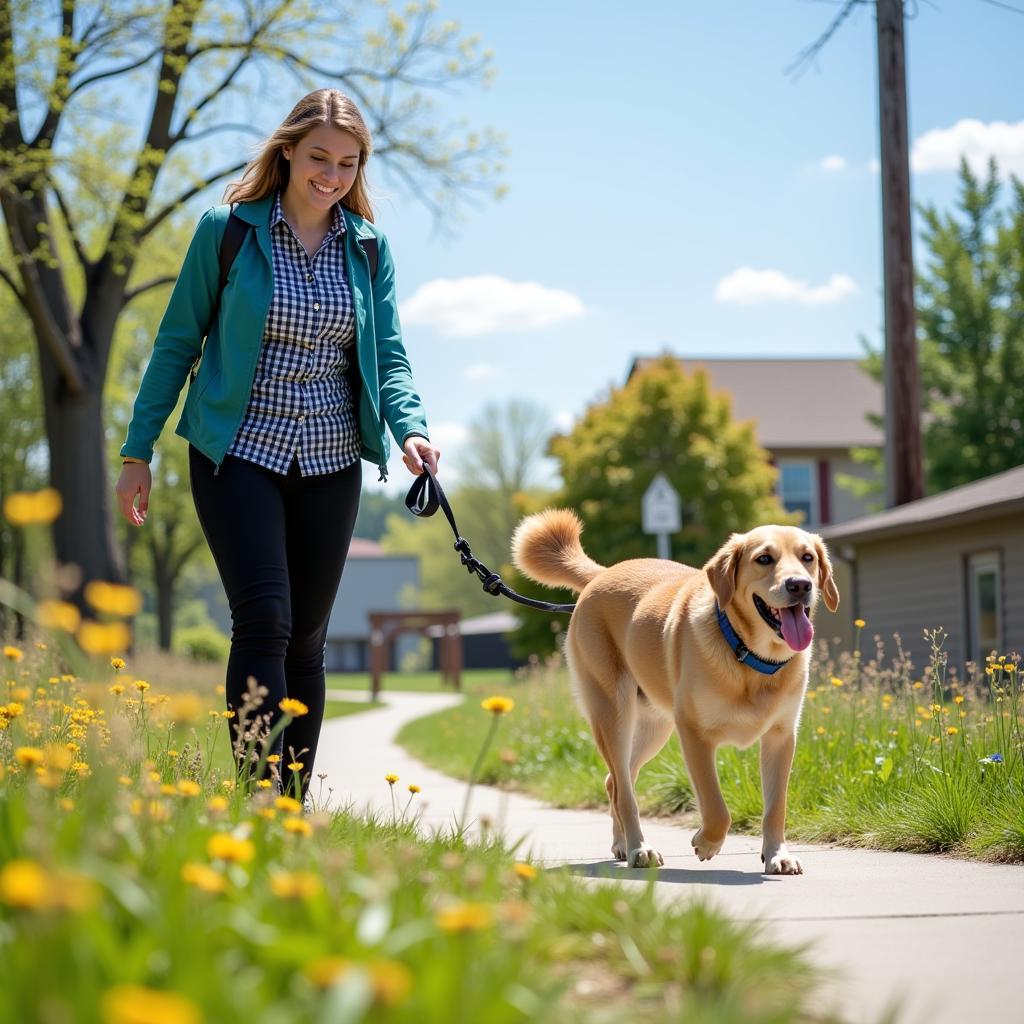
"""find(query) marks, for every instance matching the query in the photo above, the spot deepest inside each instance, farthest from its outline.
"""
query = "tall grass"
(139, 882)
(885, 757)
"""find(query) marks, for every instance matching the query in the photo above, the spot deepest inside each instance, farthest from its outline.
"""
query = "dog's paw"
(704, 847)
(645, 857)
(781, 862)
(619, 849)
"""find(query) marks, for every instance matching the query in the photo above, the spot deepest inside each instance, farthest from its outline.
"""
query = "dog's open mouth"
(790, 624)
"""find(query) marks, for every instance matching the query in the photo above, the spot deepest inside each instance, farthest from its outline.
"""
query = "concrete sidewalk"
(940, 937)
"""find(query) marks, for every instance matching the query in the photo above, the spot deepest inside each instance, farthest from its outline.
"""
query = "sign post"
(661, 512)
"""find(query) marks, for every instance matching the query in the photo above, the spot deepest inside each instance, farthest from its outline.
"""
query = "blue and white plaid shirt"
(301, 402)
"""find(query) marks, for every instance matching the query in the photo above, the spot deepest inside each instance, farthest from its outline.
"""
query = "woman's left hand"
(418, 450)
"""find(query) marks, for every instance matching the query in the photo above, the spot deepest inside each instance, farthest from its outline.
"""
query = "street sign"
(660, 512)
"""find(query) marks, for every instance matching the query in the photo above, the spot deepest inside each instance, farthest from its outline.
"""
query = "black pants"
(280, 544)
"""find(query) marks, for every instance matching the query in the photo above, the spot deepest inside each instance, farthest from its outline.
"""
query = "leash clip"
(742, 652)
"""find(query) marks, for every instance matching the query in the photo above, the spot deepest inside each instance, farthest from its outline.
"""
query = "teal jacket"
(219, 395)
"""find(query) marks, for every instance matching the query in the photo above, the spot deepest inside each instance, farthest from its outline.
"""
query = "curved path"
(940, 937)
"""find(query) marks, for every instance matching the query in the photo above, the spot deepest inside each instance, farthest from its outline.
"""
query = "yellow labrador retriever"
(721, 654)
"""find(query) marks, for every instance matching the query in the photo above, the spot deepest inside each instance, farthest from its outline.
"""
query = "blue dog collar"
(743, 653)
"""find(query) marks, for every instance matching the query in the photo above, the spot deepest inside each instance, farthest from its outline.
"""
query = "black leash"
(424, 498)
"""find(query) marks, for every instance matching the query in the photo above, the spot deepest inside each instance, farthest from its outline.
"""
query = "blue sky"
(670, 187)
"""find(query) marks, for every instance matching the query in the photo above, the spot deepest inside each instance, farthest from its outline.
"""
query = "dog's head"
(769, 580)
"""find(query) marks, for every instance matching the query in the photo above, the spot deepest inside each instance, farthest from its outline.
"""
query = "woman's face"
(323, 166)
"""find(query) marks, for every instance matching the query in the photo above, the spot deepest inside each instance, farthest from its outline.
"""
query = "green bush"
(202, 643)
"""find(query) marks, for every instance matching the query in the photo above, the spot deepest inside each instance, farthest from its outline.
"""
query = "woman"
(302, 368)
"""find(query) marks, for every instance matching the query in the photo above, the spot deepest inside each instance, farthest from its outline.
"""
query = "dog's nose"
(798, 586)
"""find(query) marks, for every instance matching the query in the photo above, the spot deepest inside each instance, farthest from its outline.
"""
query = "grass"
(141, 885)
(885, 758)
(473, 681)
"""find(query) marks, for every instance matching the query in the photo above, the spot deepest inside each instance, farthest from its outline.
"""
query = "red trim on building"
(824, 493)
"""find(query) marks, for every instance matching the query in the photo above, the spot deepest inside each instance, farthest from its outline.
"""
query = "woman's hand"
(418, 450)
(135, 479)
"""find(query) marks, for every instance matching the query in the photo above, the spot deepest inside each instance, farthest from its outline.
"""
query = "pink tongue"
(797, 630)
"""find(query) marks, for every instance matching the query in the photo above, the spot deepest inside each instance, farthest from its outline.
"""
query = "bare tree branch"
(164, 212)
(84, 83)
(146, 286)
(210, 96)
(58, 95)
(8, 279)
(1005, 6)
(216, 129)
(806, 56)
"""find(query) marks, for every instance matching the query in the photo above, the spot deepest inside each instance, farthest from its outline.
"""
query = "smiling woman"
(301, 367)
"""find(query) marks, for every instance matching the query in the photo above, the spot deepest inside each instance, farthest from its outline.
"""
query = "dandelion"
(958, 699)
(918, 685)
(273, 759)
(289, 804)
(29, 757)
(296, 766)
(414, 789)
(135, 1004)
(117, 664)
(13, 653)
(465, 917)
(188, 788)
(227, 714)
(859, 623)
(298, 826)
(836, 681)
(498, 705)
(525, 871)
(117, 689)
(391, 779)
(226, 847)
(24, 884)
(324, 971)
(104, 638)
(264, 784)
(293, 707)
(295, 885)
(951, 730)
(29, 508)
(217, 805)
(141, 685)
(113, 598)
(821, 730)
(203, 877)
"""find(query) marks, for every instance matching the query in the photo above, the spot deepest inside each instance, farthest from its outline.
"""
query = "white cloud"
(481, 371)
(469, 306)
(747, 286)
(941, 148)
(833, 163)
(874, 166)
(564, 421)
(448, 434)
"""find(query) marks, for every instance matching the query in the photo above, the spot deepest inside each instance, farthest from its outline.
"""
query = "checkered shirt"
(301, 403)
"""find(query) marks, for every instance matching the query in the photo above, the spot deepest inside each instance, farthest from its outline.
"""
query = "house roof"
(990, 498)
(493, 622)
(797, 403)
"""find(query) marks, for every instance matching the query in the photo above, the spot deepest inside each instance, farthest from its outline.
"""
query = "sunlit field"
(886, 757)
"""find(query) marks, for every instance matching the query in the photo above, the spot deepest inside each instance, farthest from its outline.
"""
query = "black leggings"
(279, 543)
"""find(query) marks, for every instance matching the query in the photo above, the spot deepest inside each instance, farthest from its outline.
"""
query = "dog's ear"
(826, 584)
(723, 568)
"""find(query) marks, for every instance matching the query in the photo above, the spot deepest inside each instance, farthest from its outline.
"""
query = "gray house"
(954, 560)
(810, 446)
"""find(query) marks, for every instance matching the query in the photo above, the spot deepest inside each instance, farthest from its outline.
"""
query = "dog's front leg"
(777, 746)
(699, 755)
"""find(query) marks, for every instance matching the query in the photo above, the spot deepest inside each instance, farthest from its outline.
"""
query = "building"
(953, 560)
(809, 414)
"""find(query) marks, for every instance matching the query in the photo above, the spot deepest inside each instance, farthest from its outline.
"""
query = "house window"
(984, 607)
(797, 490)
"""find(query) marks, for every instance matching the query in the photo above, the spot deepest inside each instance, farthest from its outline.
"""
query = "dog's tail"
(546, 547)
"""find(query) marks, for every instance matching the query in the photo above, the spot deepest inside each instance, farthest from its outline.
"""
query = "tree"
(661, 421)
(970, 296)
(65, 65)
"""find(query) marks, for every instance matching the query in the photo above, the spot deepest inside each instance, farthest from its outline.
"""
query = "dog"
(721, 654)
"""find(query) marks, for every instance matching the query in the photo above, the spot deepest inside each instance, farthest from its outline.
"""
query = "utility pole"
(904, 475)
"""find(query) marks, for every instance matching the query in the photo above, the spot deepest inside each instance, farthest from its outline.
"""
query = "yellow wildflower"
(294, 885)
(216, 805)
(203, 877)
(391, 779)
(820, 730)
(273, 759)
(836, 681)
(117, 689)
(227, 714)
(390, 981)
(104, 638)
(28, 757)
(289, 804)
(951, 730)
(28, 508)
(525, 871)
(498, 705)
(117, 664)
(958, 699)
(224, 846)
(859, 623)
(113, 598)
(298, 826)
(141, 685)
(13, 653)
(293, 707)
(58, 615)
(135, 1004)
(414, 789)
(24, 884)
(263, 784)
(465, 917)
(296, 766)
(186, 787)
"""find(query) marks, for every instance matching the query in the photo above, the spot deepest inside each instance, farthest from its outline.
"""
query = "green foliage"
(661, 421)
(374, 509)
(203, 643)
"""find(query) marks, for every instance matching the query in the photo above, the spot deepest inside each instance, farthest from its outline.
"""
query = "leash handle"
(425, 497)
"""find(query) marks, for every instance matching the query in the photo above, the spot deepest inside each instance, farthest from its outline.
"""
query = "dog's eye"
(764, 559)
(807, 556)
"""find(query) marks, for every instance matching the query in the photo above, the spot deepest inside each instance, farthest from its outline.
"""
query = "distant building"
(809, 414)
(954, 560)
(484, 641)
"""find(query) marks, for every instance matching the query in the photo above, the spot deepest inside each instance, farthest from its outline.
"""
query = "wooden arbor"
(386, 626)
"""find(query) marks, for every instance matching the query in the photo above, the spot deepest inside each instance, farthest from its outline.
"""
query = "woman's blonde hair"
(270, 170)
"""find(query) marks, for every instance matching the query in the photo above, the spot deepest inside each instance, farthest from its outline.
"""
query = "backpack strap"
(234, 235)
(372, 253)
